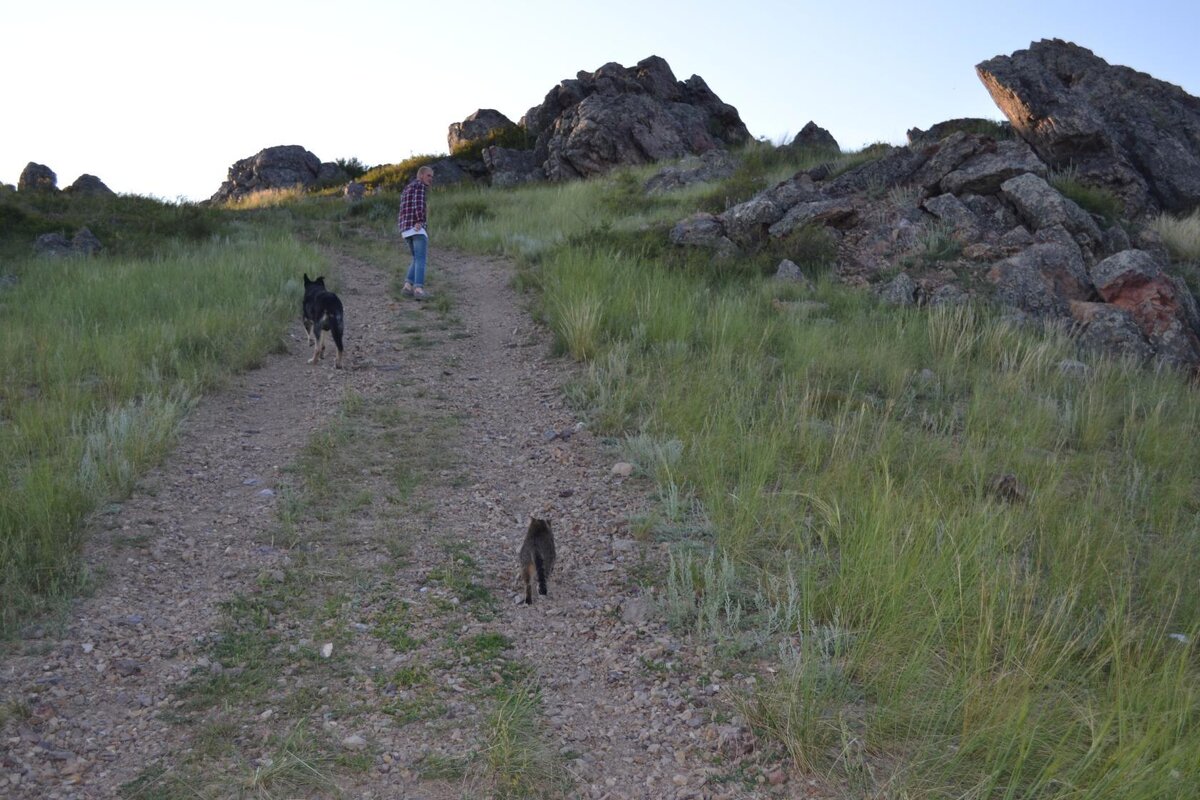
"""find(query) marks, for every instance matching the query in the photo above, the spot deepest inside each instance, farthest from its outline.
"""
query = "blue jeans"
(418, 245)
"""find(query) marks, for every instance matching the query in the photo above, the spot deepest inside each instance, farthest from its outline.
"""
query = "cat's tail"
(527, 575)
(541, 572)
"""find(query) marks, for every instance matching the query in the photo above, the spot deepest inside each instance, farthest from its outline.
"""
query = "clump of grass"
(1093, 199)
(1181, 235)
(518, 763)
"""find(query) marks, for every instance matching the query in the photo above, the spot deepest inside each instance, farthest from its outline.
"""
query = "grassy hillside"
(958, 558)
(964, 561)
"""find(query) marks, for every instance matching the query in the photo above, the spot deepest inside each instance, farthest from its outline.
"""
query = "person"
(412, 224)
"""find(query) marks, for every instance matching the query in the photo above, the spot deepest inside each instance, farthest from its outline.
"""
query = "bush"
(389, 177)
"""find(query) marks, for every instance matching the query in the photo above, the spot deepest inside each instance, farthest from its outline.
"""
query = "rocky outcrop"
(56, 245)
(37, 178)
(623, 116)
(281, 167)
(813, 137)
(964, 217)
(1116, 127)
(89, 186)
(483, 125)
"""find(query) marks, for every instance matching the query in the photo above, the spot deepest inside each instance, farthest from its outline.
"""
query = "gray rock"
(1043, 279)
(620, 116)
(89, 186)
(484, 124)
(1041, 206)
(1117, 127)
(900, 291)
(37, 178)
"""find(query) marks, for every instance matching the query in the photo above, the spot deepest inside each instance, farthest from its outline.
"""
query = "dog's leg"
(308, 328)
(337, 340)
(316, 356)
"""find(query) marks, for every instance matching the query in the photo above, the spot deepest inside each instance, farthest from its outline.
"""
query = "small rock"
(126, 667)
(327, 650)
(622, 469)
(354, 742)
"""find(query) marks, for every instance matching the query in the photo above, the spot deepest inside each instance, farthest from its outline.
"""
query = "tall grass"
(1181, 235)
(1039, 643)
(101, 359)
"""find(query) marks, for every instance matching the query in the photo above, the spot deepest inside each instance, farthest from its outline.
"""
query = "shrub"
(353, 167)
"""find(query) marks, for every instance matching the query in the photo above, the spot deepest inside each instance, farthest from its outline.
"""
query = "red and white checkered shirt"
(412, 206)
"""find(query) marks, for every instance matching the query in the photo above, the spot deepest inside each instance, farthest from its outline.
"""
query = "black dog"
(322, 312)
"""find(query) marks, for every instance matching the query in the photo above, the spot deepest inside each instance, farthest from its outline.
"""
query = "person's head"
(425, 175)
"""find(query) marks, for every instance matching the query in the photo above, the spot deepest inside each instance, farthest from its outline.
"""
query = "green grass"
(1181, 235)
(841, 464)
(108, 358)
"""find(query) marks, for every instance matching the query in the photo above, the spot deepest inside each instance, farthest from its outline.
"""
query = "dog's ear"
(306, 280)
(320, 280)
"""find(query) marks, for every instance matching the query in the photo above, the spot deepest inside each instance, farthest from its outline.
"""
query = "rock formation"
(972, 215)
(281, 167)
(37, 178)
(484, 124)
(623, 116)
(1118, 128)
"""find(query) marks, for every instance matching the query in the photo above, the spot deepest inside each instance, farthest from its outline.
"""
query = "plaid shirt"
(412, 206)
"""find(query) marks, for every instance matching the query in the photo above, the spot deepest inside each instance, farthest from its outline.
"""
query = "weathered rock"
(37, 178)
(984, 172)
(89, 186)
(836, 213)
(617, 115)
(1043, 279)
(748, 223)
(896, 166)
(1041, 206)
(1117, 127)
(509, 167)
(703, 230)
(813, 137)
(900, 291)
(52, 245)
(952, 211)
(281, 167)
(1110, 329)
(789, 271)
(714, 165)
(484, 124)
(354, 191)
(1161, 306)
(940, 130)
(85, 243)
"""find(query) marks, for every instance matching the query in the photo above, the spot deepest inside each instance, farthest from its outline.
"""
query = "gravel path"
(627, 709)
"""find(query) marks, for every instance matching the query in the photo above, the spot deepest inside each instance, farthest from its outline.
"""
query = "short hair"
(425, 170)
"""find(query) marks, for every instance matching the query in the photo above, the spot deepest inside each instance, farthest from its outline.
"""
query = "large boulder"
(621, 116)
(1160, 305)
(89, 186)
(482, 126)
(37, 178)
(281, 167)
(1118, 128)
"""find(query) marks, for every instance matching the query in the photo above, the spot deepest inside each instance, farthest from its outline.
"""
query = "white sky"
(160, 98)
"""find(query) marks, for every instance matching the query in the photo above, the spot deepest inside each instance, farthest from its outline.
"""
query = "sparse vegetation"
(1181, 235)
(1093, 199)
(828, 483)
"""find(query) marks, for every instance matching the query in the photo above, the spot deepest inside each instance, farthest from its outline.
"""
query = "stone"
(626, 116)
(89, 186)
(1117, 128)
(482, 126)
(37, 178)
